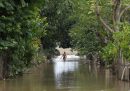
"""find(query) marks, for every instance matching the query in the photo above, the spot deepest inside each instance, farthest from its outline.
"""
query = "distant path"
(67, 50)
(71, 57)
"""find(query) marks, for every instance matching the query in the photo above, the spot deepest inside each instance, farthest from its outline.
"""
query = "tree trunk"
(4, 70)
(1, 67)
(120, 64)
(5, 66)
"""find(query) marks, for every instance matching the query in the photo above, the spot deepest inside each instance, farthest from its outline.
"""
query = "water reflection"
(63, 73)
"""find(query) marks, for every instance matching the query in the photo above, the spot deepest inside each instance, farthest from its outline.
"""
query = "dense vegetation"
(58, 13)
(21, 28)
(107, 21)
(85, 32)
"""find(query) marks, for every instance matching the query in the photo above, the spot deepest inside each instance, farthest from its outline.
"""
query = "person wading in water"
(64, 56)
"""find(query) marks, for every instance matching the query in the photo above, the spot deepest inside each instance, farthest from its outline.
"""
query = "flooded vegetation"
(69, 75)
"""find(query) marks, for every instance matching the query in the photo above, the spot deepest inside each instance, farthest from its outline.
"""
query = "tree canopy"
(58, 13)
(21, 27)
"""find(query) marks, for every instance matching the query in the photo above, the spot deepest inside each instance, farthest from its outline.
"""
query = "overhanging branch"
(106, 25)
(123, 11)
(100, 18)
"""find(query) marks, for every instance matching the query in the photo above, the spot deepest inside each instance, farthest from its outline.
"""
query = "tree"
(21, 29)
(117, 30)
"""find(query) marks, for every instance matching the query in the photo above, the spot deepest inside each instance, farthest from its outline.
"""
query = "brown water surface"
(65, 76)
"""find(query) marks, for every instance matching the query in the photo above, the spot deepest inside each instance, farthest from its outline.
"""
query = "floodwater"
(69, 75)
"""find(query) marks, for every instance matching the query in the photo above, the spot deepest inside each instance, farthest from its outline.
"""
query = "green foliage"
(109, 52)
(21, 28)
(85, 39)
(88, 34)
(121, 40)
(58, 13)
(84, 32)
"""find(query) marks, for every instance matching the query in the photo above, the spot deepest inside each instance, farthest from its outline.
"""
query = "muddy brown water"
(65, 76)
